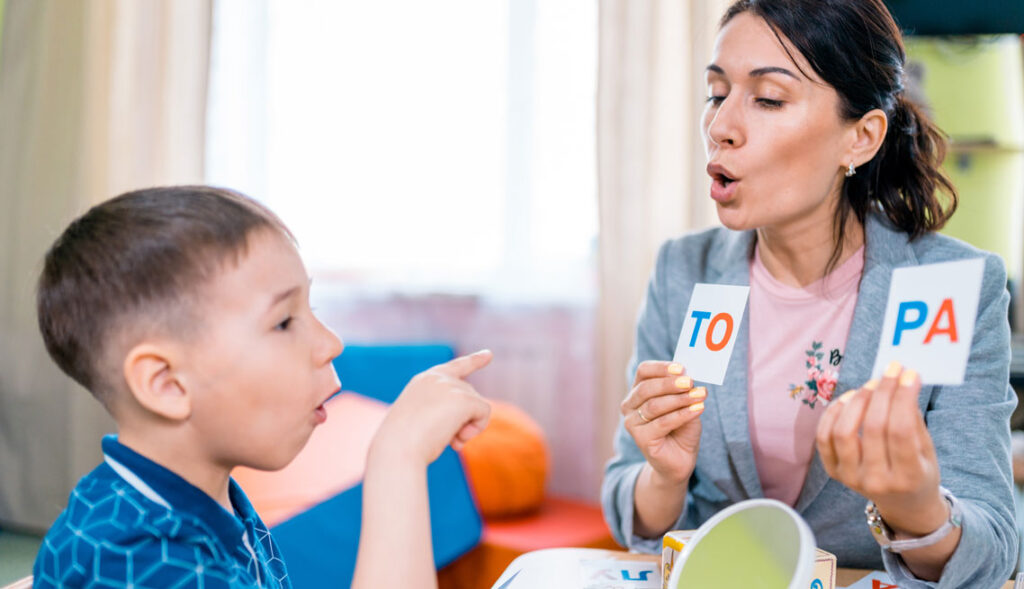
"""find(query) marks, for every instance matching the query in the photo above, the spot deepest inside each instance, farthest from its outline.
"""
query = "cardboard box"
(673, 543)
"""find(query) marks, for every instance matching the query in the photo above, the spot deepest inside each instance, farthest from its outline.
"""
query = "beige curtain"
(651, 179)
(96, 97)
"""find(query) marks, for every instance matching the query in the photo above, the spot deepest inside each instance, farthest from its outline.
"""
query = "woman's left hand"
(874, 441)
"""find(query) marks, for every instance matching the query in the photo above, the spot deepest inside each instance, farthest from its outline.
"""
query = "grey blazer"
(969, 424)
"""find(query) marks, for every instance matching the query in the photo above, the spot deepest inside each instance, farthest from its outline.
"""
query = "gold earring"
(850, 171)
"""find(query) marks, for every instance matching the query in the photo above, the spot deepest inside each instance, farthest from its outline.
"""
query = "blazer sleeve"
(970, 427)
(654, 341)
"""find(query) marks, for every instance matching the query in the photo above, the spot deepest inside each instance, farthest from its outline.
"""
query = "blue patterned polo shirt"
(133, 523)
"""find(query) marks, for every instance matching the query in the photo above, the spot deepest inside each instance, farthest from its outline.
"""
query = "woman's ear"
(149, 370)
(868, 136)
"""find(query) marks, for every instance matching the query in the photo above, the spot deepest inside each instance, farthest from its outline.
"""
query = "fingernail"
(482, 352)
(893, 369)
(845, 397)
(675, 368)
(697, 407)
(684, 382)
(698, 393)
(908, 378)
(871, 384)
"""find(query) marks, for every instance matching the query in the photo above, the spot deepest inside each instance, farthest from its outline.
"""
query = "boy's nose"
(331, 346)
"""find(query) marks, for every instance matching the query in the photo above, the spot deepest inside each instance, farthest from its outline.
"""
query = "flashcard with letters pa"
(710, 329)
(929, 320)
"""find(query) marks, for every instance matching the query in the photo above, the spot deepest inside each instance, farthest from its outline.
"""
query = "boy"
(185, 311)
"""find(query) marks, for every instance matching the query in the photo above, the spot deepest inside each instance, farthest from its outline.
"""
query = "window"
(416, 146)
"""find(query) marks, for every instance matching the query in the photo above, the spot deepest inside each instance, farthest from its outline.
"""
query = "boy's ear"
(149, 370)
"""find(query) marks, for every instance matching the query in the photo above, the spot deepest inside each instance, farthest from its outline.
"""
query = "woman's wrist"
(915, 518)
(657, 503)
(662, 483)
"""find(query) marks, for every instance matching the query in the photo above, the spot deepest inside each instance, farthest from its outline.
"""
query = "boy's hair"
(135, 262)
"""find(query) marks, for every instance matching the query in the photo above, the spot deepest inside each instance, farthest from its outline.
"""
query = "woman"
(825, 176)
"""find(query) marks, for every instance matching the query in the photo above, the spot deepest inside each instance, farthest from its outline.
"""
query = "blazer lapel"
(884, 250)
(730, 399)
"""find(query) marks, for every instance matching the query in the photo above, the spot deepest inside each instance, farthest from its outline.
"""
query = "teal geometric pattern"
(113, 535)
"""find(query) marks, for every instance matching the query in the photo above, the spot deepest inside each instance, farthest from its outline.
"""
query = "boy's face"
(260, 368)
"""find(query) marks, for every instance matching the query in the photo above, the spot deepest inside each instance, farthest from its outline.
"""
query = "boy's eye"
(283, 326)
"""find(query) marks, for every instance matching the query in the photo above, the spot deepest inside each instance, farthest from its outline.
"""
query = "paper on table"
(876, 580)
(606, 573)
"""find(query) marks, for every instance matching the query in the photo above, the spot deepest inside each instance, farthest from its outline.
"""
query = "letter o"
(711, 329)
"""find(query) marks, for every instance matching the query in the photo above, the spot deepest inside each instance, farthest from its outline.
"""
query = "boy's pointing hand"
(437, 408)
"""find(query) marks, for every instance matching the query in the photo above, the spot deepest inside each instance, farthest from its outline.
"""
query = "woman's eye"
(715, 100)
(283, 326)
(769, 103)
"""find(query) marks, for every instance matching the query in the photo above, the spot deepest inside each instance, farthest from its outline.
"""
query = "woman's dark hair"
(856, 47)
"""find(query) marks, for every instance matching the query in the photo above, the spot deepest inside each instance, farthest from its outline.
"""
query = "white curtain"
(651, 179)
(96, 97)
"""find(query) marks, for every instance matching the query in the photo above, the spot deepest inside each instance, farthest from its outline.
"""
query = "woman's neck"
(798, 254)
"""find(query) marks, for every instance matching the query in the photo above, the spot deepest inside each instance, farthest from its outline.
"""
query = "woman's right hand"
(662, 413)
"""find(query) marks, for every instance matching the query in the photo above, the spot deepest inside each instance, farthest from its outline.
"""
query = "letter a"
(945, 308)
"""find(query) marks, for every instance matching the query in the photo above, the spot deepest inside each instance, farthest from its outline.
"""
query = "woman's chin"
(731, 218)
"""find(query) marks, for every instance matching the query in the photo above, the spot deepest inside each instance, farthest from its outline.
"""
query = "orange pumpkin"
(507, 463)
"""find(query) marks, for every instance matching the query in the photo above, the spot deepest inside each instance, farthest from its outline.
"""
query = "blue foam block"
(320, 545)
(382, 371)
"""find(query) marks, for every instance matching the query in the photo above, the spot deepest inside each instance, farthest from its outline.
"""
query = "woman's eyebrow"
(772, 70)
(758, 71)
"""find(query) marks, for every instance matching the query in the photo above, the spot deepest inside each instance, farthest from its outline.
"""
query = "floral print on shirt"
(821, 382)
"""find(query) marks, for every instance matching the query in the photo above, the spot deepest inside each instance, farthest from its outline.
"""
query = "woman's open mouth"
(723, 184)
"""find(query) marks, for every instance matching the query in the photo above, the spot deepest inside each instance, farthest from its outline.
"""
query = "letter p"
(903, 324)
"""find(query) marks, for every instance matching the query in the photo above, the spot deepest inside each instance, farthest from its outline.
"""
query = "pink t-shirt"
(797, 338)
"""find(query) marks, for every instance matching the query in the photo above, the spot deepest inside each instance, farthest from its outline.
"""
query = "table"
(844, 576)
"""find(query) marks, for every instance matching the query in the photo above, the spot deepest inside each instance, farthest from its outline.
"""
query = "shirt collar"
(183, 496)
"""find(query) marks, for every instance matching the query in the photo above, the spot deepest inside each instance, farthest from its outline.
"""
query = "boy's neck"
(193, 466)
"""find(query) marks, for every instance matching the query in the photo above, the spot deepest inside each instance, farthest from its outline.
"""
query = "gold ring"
(640, 413)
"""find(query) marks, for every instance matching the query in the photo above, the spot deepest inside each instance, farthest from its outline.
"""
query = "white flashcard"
(875, 580)
(709, 331)
(619, 574)
(929, 320)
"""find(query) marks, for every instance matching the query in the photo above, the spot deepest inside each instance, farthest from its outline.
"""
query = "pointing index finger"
(463, 366)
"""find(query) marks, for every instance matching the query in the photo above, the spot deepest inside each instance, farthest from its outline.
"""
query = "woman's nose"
(724, 127)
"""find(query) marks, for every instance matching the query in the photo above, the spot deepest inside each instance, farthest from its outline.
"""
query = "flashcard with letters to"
(710, 329)
(619, 574)
(929, 320)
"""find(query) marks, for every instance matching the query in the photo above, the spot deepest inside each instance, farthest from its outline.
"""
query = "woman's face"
(774, 139)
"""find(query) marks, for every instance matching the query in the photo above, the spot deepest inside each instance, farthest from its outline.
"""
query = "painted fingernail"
(697, 407)
(675, 368)
(908, 378)
(893, 369)
(845, 397)
(871, 384)
(684, 382)
(698, 393)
